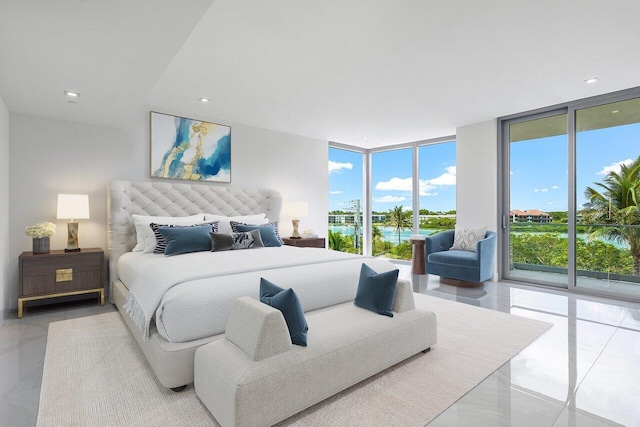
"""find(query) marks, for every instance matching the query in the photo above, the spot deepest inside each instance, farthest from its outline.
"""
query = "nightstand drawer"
(59, 272)
(51, 283)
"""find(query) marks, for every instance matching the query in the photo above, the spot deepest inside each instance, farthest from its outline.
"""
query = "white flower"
(42, 229)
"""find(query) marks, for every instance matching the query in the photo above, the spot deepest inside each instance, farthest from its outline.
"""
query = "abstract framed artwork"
(189, 149)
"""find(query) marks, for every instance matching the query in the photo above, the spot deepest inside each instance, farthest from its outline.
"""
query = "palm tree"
(616, 204)
(337, 241)
(399, 220)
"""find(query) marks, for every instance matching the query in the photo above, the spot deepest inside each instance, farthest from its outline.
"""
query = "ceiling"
(360, 72)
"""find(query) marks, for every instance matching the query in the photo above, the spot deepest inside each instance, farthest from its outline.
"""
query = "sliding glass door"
(571, 196)
(536, 225)
(608, 197)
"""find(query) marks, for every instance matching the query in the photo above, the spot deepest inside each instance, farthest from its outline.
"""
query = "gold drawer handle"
(64, 275)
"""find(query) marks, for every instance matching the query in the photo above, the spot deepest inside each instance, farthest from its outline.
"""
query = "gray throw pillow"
(232, 241)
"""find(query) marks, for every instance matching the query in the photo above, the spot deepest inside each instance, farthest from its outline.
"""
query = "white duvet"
(191, 295)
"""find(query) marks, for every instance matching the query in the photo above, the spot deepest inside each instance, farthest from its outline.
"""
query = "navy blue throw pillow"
(267, 232)
(287, 302)
(376, 291)
(186, 239)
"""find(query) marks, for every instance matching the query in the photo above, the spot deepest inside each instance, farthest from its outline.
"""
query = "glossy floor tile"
(584, 371)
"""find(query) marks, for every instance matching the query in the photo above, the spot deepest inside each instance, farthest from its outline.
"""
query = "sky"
(391, 178)
(538, 168)
(538, 171)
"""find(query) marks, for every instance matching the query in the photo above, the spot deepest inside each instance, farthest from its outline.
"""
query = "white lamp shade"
(295, 210)
(73, 206)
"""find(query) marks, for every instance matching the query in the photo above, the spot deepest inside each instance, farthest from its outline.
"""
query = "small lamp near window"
(73, 206)
(295, 211)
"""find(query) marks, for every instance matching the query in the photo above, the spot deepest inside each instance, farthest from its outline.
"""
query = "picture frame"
(189, 149)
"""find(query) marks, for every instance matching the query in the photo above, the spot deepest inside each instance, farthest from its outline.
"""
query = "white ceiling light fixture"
(71, 94)
(204, 100)
(591, 80)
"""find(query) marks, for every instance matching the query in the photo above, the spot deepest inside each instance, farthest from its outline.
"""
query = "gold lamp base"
(72, 237)
(295, 234)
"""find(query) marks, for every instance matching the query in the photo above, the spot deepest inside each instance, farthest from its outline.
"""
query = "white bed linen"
(199, 308)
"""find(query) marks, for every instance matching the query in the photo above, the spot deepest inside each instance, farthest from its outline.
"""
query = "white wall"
(477, 176)
(49, 156)
(5, 257)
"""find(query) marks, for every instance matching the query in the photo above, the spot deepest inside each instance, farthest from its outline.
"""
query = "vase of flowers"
(40, 233)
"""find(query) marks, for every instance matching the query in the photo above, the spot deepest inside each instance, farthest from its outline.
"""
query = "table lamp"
(295, 211)
(73, 206)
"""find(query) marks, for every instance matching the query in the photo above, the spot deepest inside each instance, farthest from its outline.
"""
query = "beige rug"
(95, 375)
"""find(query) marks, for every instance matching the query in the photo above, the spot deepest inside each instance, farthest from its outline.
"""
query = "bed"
(190, 296)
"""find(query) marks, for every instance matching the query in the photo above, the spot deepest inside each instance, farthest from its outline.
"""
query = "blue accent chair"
(464, 267)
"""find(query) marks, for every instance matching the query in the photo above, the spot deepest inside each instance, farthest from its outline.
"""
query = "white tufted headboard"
(172, 199)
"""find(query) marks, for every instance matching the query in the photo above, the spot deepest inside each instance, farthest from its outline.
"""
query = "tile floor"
(584, 371)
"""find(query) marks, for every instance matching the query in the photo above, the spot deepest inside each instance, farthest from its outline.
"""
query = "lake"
(390, 235)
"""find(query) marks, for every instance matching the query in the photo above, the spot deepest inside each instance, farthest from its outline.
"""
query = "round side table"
(417, 260)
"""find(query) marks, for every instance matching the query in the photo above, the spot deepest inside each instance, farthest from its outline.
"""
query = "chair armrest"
(438, 242)
(404, 297)
(486, 249)
(257, 329)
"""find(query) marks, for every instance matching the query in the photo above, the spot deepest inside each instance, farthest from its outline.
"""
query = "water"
(390, 235)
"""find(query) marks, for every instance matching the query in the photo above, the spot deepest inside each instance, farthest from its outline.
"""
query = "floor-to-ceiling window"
(608, 197)
(392, 203)
(537, 221)
(386, 186)
(571, 199)
(437, 187)
(345, 200)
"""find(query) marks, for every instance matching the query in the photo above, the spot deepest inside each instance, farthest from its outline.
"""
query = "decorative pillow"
(465, 239)
(186, 239)
(268, 232)
(146, 240)
(225, 221)
(246, 240)
(376, 291)
(161, 244)
(287, 302)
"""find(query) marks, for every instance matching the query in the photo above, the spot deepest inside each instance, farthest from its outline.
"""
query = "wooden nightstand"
(315, 242)
(60, 273)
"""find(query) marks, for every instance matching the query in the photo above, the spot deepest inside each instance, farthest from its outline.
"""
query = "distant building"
(532, 215)
(351, 218)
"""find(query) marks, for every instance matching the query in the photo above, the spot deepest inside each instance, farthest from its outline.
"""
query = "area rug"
(95, 375)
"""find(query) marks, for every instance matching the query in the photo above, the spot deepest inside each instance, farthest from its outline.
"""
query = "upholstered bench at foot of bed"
(255, 376)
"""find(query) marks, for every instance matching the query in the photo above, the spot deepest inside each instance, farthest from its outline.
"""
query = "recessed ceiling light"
(591, 80)
(615, 111)
(71, 94)
(364, 137)
(204, 99)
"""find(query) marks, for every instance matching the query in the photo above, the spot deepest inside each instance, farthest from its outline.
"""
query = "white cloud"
(555, 187)
(336, 192)
(390, 199)
(336, 166)
(535, 190)
(615, 167)
(544, 190)
(426, 185)
(541, 190)
(447, 178)
(395, 184)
